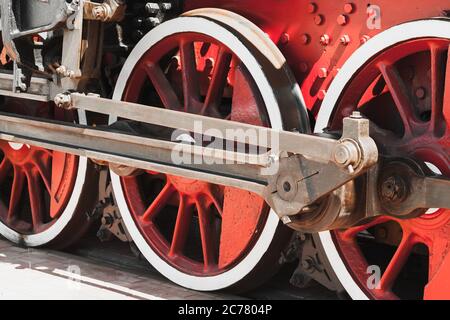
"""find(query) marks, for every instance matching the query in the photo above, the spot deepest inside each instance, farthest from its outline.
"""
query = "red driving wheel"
(38, 201)
(200, 235)
(405, 91)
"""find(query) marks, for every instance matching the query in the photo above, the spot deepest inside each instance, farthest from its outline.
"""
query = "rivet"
(342, 20)
(318, 19)
(312, 7)
(305, 38)
(349, 8)
(421, 93)
(284, 38)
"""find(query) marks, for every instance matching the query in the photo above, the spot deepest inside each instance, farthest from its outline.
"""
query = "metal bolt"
(356, 115)
(342, 20)
(421, 93)
(284, 38)
(152, 22)
(305, 38)
(99, 12)
(342, 155)
(152, 7)
(349, 8)
(322, 73)
(318, 19)
(286, 220)
(166, 6)
(325, 39)
(364, 39)
(312, 7)
(393, 188)
(345, 39)
(346, 154)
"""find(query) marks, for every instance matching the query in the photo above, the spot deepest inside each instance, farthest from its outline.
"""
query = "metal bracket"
(109, 10)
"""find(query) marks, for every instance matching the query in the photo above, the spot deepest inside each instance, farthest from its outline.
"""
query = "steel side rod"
(318, 148)
(138, 152)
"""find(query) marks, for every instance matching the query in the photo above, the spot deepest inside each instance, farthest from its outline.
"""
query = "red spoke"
(217, 204)
(159, 203)
(207, 235)
(400, 95)
(34, 191)
(351, 233)
(191, 89)
(162, 87)
(218, 81)
(16, 192)
(5, 169)
(437, 88)
(397, 262)
(44, 168)
(181, 231)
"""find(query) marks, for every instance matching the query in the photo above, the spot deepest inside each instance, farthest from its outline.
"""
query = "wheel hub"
(189, 187)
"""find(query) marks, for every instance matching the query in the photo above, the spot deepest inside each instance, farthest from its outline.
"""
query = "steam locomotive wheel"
(199, 235)
(41, 198)
(401, 81)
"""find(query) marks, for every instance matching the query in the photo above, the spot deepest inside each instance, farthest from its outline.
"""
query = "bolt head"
(349, 8)
(99, 12)
(325, 40)
(319, 19)
(342, 20)
(322, 73)
(393, 188)
(342, 155)
(284, 38)
(286, 220)
(356, 115)
(305, 38)
(345, 39)
(312, 7)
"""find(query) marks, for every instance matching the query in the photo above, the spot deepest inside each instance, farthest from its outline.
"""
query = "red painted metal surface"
(199, 228)
(317, 37)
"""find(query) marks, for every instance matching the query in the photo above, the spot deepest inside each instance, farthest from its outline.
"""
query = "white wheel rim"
(386, 39)
(247, 264)
(46, 236)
